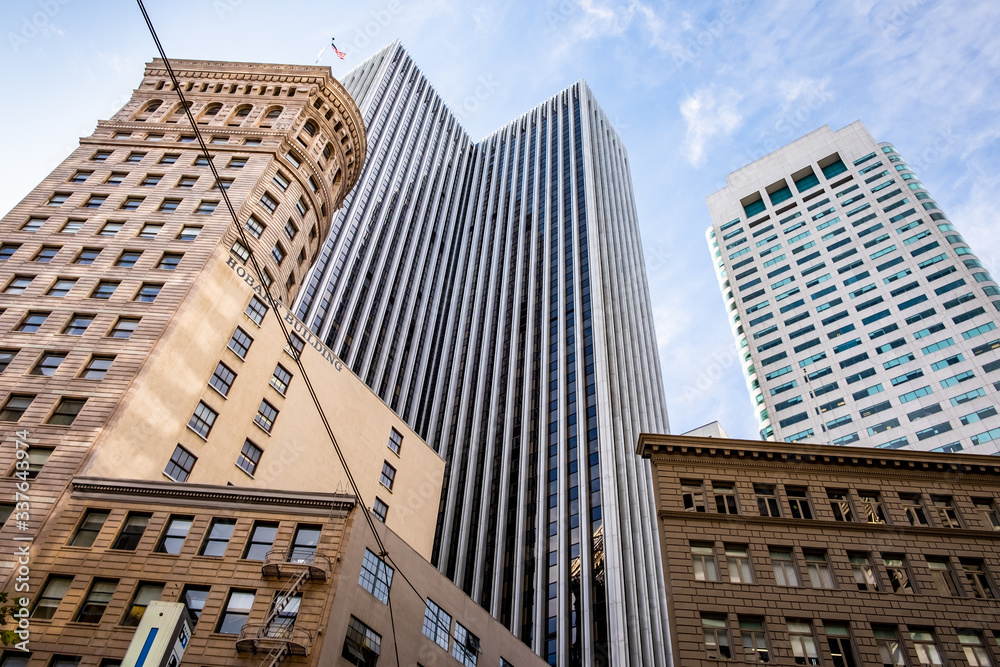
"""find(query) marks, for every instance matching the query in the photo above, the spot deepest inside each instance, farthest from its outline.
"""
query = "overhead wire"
(273, 303)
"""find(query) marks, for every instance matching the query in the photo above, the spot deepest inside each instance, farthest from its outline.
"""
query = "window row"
(77, 325)
(148, 230)
(104, 289)
(214, 542)
(759, 642)
(133, 202)
(956, 577)
(149, 180)
(136, 157)
(49, 362)
(841, 504)
(234, 614)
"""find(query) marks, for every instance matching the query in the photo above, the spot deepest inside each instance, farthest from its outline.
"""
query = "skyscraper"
(494, 295)
(861, 314)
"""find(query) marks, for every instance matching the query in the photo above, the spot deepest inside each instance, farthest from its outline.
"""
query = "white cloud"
(709, 115)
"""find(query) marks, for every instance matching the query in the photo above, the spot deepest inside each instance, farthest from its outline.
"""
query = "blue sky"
(696, 89)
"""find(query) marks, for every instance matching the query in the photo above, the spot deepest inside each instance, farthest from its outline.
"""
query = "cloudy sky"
(696, 89)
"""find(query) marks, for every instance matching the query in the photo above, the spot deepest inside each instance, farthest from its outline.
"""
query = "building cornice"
(174, 493)
(775, 454)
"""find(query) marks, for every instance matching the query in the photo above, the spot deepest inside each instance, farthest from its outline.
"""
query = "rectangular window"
(361, 645)
(767, 500)
(946, 514)
(240, 342)
(254, 226)
(899, 575)
(703, 559)
(124, 327)
(15, 407)
(973, 648)
(928, 652)
(871, 507)
(98, 597)
(738, 564)
(754, 637)
(269, 202)
(890, 649)
(217, 538)
(725, 498)
(48, 363)
(838, 637)
(105, 289)
(249, 457)
(988, 516)
(803, 641)
(942, 575)
(180, 464)
(864, 573)
(840, 504)
(206, 207)
(144, 594)
(976, 578)
(52, 594)
(130, 203)
(128, 258)
(376, 577)
(437, 624)
(60, 198)
(236, 612)
(395, 440)
(150, 230)
(61, 287)
(716, 636)
(818, 568)
(693, 495)
(222, 379)
(266, 414)
(785, 573)
(131, 532)
(380, 509)
(173, 537)
(261, 540)
(169, 205)
(280, 379)
(194, 598)
(202, 420)
(798, 502)
(66, 411)
(256, 310)
(388, 475)
(189, 233)
(466, 648)
(89, 528)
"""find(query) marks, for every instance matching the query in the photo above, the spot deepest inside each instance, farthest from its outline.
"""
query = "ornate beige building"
(154, 413)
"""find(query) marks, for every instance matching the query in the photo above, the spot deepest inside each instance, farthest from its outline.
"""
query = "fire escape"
(278, 637)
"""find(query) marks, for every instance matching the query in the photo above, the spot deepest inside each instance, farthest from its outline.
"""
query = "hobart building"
(160, 420)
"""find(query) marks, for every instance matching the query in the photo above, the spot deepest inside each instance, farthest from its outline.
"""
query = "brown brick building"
(155, 416)
(817, 555)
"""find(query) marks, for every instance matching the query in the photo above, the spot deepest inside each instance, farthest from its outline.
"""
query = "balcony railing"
(290, 562)
(263, 638)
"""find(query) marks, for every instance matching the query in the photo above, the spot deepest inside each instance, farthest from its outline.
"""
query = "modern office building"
(861, 314)
(803, 554)
(493, 294)
(159, 421)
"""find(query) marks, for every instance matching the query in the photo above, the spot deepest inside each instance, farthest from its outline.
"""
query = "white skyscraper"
(860, 313)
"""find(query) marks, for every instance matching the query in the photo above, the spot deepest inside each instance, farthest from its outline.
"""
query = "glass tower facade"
(861, 315)
(494, 295)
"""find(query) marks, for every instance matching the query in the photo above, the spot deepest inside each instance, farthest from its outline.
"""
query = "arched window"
(178, 112)
(270, 116)
(327, 151)
(310, 128)
(240, 114)
(209, 112)
(148, 110)
(336, 179)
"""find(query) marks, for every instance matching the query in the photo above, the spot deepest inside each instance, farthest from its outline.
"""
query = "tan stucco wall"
(298, 455)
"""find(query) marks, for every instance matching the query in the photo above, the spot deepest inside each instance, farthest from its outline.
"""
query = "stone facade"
(806, 552)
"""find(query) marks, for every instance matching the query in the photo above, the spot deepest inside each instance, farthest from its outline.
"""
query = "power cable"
(383, 552)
